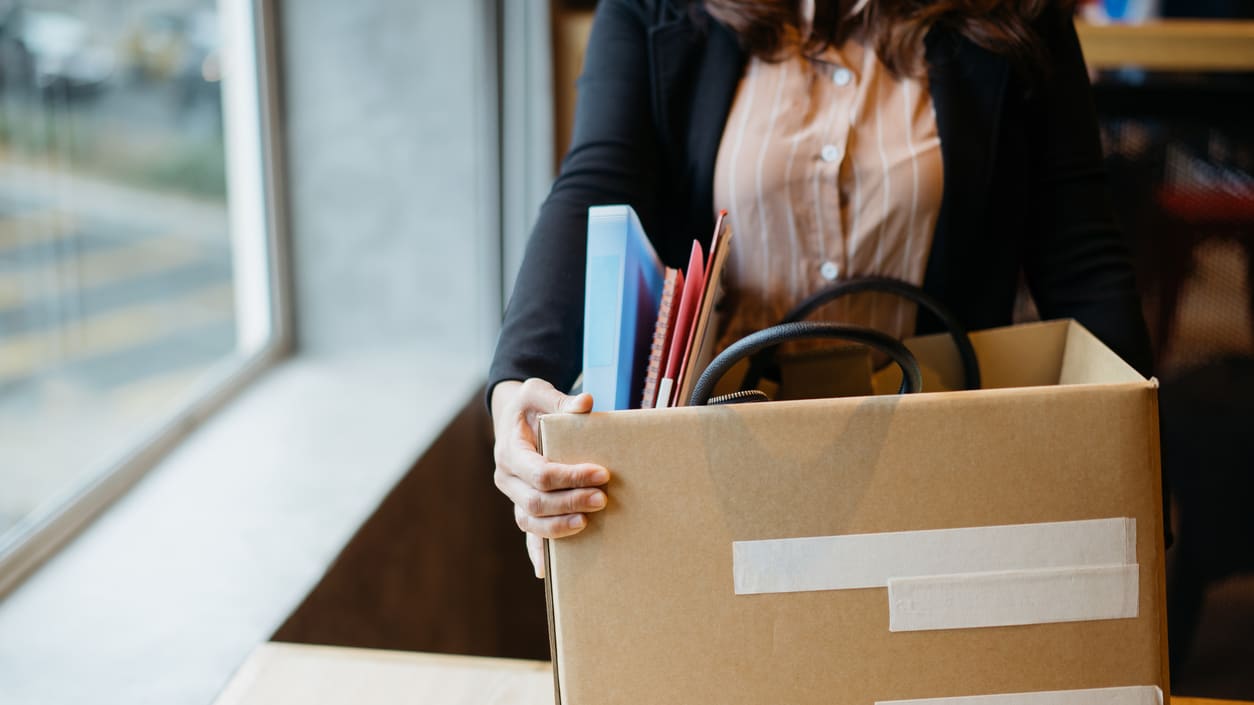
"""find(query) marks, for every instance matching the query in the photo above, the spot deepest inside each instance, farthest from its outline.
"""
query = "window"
(136, 270)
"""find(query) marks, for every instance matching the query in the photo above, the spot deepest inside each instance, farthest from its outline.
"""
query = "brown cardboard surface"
(840, 371)
(1085, 360)
(1021, 356)
(643, 605)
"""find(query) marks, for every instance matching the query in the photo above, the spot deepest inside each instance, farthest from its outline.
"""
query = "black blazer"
(1024, 185)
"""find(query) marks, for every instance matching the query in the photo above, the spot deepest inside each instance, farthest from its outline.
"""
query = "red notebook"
(700, 348)
(690, 298)
(672, 290)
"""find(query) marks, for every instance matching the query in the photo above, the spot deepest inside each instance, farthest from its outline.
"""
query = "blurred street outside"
(116, 288)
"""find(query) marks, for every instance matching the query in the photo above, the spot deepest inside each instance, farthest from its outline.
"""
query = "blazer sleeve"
(612, 159)
(1076, 262)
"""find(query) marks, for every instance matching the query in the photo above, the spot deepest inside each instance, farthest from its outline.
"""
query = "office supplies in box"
(622, 289)
(949, 547)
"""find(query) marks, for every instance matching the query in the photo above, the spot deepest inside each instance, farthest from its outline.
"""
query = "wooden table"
(1170, 45)
(277, 673)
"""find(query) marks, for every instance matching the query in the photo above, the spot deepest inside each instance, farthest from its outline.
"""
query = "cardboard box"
(643, 603)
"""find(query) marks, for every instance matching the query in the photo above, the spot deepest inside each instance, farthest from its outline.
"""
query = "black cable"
(911, 377)
(764, 360)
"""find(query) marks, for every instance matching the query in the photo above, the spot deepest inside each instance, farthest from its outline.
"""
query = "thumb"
(540, 397)
(577, 404)
(535, 550)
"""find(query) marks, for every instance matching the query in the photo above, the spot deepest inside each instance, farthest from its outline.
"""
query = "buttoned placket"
(842, 88)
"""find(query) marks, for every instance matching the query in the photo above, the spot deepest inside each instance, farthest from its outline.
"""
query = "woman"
(951, 143)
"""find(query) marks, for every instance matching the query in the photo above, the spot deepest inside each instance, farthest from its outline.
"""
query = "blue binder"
(622, 292)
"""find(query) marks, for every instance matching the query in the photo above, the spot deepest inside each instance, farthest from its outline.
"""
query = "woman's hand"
(550, 499)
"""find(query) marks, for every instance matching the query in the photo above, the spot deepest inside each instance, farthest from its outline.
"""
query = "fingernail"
(575, 522)
(597, 500)
(599, 477)
(572, 403)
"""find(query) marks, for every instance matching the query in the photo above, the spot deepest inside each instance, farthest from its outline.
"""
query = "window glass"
(117, 292)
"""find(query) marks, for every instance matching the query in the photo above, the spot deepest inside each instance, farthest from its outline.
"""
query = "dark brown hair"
(771, 29)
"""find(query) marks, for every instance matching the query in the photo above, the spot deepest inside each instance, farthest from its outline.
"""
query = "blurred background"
(194, 190)
(115, 264)
(1179, 142)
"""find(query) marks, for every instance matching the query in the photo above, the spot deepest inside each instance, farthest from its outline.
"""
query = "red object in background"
(1206, 206)
(1191, 216)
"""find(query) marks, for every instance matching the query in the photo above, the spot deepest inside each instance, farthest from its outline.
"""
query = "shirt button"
(842, 76)
(830, 153)
(828, 270)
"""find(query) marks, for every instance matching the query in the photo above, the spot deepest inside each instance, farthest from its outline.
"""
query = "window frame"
(259, 250)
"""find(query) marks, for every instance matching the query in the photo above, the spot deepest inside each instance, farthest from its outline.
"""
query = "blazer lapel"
(718, 76)
(696, 65)
(968, 86)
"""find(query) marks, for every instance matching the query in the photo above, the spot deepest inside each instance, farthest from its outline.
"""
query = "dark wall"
(439, 567)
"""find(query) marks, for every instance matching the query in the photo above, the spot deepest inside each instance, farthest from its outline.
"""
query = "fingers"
(550, 499)
(577, 404)
(535, 549)
(539, 397)
(547, 476)
(549, 527)
(546, 504)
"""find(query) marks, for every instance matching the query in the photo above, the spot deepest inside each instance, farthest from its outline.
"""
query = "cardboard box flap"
(1086, 360)
(1030, 355)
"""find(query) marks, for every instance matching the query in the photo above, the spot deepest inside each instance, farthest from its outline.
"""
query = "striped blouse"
(829, 167)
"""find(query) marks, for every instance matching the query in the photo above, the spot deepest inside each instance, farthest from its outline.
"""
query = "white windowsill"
(161, 598)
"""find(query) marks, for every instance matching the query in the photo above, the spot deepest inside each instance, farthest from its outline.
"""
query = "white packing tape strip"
(1135, 695)
(1008, 598)
(870, 560)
